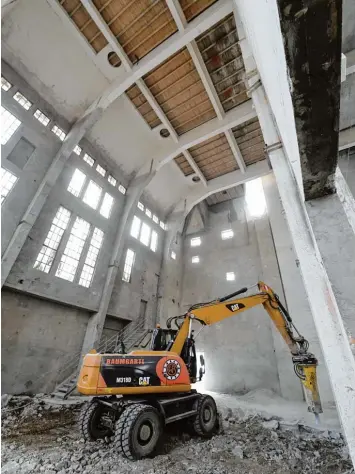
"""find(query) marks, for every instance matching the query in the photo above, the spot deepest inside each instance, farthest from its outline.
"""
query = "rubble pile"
(38, 438)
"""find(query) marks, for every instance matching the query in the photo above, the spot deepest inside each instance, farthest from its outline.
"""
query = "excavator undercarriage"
(137, 394)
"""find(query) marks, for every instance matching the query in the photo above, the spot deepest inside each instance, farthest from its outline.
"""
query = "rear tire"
(90, 421)
(206, 420)
(138, 431)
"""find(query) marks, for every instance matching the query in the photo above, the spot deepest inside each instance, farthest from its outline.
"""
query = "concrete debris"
(249, 445)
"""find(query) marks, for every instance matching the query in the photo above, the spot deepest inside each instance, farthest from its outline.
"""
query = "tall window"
(22, 100)
(9, 125)
(92, 195)
(49, 248)
(127, 270)
(77, 182)
(136, 227)
(91, 257)
(72, 252)
(145, 234)
(154, 241)
(106, 205)
(8, 181)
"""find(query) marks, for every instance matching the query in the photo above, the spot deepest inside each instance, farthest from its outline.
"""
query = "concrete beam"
(194, 166)
(236, 151)
(346, 138)
(316, 108)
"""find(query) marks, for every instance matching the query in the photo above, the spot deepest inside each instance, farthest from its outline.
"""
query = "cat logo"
(235, 306)
(144, 381)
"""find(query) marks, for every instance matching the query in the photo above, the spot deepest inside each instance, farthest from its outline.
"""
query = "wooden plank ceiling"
(214, 157)
(140, 26)
(178, 89)
(222, 56)
(226, 195)
(250, 141)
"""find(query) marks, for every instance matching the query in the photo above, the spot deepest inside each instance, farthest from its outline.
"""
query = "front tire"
(138, 431)
(206, 420)
(91, 421)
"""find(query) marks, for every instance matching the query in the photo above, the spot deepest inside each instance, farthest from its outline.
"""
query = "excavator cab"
(162, 339)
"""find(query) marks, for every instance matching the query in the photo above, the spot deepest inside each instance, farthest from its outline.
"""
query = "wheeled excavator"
(136, 395)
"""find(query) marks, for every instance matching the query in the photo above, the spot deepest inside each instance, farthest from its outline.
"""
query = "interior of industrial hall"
(156, 154)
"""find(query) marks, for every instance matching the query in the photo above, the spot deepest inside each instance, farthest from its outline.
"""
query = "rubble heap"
(38, 438)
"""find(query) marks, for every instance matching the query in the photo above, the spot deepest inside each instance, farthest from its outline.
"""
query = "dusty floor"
(38, 438)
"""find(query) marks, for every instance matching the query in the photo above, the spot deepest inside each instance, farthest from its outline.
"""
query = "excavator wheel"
(206, 420)
(138, 431)
(91, 420)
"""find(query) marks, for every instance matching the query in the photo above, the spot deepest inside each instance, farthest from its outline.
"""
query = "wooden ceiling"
(222, 56)
(140, 26)
(226, 195)
(250, 141)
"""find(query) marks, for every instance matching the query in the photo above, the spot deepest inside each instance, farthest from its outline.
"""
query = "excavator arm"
(305, 363)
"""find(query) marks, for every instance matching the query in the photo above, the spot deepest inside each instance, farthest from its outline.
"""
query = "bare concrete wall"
(38, 338)
(239, 351)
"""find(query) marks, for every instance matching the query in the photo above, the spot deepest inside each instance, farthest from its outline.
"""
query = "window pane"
(145, 234)
(122, 189)
(230, 276)
(173, 255)
(92, 195)
(127, 270)
(21, 99)
(48, 251)
(196, 241)
(91, 257)
(227, 234)
(106, 205)
(112, 180)
(41, 117)
(9, 125)
(100, 170)
(155, 219)
(77, 150)
(5, 85)
(77, 182)
(162, 225)
(8, 181)
(72, 252)
(136, 227)
(140, 206)
(59, 132)
(154, 241)
(90, 161)
(148, 212)
(195, 259)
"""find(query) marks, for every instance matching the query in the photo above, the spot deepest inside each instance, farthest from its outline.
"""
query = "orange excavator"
(136, 395)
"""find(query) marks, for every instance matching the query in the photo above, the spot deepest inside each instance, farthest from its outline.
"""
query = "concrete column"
(171, 275)
(296, 296)
(29, 218)
(290, 386)
(97, 321)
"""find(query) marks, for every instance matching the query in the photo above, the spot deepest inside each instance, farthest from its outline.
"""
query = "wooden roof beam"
(235, 150)
(194, 166)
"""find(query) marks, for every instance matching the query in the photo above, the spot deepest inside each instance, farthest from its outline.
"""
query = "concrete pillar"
(296, 296)
(97, 321)
(29, 218)
(290, 386)
(171, 274)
